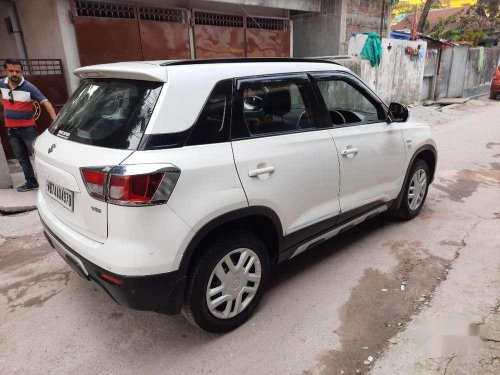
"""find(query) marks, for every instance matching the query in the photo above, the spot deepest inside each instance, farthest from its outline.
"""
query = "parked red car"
(495, 84)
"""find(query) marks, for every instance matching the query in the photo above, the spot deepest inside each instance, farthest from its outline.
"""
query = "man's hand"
(50, 109)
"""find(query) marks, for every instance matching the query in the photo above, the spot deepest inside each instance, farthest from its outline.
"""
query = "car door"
(371, 150)
(286, 161)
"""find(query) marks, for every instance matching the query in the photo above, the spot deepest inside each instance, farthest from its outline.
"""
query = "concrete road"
(326, 312)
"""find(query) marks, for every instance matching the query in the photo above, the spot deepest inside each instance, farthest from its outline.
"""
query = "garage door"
(164, 33)
(106, 32)
(112, 32)
(267, 37)
(218, 35)
(109, 32)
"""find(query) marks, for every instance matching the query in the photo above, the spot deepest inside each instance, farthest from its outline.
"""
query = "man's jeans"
(22, 140)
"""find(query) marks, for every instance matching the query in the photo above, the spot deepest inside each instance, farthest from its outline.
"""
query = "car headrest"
(278, 102)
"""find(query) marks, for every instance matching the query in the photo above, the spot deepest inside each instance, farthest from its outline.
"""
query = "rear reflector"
(111, 279)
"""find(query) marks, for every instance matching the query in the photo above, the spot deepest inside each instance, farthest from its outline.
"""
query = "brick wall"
(365, 15)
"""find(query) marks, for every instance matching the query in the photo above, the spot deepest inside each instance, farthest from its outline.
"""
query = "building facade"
(84, 32)
(327, 32)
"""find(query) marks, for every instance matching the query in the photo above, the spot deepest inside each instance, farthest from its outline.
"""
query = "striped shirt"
(18, 103)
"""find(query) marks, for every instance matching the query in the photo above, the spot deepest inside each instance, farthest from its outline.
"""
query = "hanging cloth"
(372, 50)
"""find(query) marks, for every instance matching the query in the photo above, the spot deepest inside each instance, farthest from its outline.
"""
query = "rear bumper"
(162, 293)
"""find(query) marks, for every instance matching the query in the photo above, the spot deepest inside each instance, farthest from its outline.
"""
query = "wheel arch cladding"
(261, 221)
(426, 153)
(429, 156)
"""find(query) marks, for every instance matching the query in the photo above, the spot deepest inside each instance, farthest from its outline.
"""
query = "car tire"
(214, 279)
(410, 206)
(493, 95)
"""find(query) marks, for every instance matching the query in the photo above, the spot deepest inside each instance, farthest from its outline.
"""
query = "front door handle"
(349, 151)
(260, 171)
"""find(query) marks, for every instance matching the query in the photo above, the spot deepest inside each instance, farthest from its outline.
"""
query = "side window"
(347, 105)
(213, 123)
(278, 108)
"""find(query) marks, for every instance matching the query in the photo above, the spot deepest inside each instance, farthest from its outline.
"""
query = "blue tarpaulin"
(400, 36)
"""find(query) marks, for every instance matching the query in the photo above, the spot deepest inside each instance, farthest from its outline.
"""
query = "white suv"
(177, 185)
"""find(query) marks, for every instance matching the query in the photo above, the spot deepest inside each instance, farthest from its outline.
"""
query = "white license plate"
(63, 196)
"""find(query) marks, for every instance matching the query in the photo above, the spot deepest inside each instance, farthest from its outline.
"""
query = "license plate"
(63, 196)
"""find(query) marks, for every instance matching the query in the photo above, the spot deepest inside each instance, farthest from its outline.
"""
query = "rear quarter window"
(108, 113)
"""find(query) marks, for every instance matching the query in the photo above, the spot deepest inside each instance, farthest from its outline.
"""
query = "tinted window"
(214, 121)
(277, 108)
(108, 113)
(347, 105)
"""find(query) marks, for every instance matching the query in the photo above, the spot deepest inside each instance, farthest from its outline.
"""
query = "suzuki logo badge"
(51, 148)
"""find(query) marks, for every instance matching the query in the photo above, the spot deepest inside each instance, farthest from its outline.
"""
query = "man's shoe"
(27, 187)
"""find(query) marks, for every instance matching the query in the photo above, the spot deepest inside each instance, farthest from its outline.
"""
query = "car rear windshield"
(110, 113)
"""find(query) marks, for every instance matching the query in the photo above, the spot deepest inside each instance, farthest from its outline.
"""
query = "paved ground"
(326, 312)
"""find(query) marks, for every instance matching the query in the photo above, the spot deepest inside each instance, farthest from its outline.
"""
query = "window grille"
(104, 10)
(161, 14)
(40, 67)
(217, 19)
(267, 23)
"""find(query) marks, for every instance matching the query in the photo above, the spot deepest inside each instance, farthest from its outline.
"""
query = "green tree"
(465, 26)
(488, 8)
(425, 12)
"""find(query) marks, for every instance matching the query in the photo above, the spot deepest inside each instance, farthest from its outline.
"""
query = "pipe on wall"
(382, 20)
(18, 33)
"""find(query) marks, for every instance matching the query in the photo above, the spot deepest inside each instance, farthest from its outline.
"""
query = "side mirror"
(398, 112)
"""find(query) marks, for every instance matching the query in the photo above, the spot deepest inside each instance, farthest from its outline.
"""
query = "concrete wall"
(478, 82)
(8, 47)
(459, 73)
(242, 7)
(329, 32)
(444, 73)
(320, 34)
(304, 5)
(41, 29)
(430, 72)
(71, 59)
(366, 15)
(397, 79)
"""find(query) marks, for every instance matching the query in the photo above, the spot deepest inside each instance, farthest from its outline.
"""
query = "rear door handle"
(260, 171)
(349, 151)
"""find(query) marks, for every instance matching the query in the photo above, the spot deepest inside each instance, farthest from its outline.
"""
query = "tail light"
(131, 185)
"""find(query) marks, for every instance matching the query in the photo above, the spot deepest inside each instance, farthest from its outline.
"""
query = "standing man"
(17, 97)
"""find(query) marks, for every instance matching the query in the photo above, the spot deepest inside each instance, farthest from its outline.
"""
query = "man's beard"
(15, 79)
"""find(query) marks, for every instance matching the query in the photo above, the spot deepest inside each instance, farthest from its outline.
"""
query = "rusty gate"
(164, 34)
(106, 33)
(48, 76)
(267, 37)
(218, 35)
(111, 32)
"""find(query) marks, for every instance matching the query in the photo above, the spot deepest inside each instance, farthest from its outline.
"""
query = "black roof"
(245, 60)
